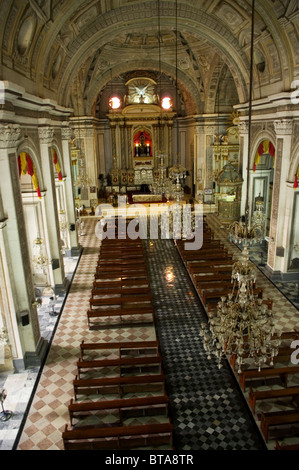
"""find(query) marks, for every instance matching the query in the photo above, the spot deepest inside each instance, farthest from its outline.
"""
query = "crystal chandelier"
(178, 172)
(39, 255)
(242, 325)
(259, 217)
(82, 180)
(245, 233)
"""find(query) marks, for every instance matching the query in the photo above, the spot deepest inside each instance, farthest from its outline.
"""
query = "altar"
(147, 198)
(137, 128)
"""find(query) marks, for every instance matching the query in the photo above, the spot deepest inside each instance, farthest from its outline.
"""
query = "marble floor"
(38, 397)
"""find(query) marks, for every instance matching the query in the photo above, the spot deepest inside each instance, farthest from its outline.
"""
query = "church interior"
(119, 336)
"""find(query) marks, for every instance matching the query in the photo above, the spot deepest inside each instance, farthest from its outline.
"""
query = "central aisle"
(208, 409)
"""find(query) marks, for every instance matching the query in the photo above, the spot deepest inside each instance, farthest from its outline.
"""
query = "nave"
(205, 427)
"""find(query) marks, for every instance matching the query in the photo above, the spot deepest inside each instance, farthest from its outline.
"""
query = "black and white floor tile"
(208, 410)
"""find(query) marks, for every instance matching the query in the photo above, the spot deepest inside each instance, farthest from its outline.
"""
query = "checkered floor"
(207, 408)
(208, 411)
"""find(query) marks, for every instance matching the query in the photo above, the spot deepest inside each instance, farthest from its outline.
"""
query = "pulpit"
(230, 183)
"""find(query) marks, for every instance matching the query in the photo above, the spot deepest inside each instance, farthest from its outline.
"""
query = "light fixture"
(39, 255)
(177, 172)
(114, 102)
(40, 258)
(166, 103)
(242, 325)
(5, 414)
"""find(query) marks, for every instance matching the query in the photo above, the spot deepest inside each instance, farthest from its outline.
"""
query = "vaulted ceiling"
(70, 51)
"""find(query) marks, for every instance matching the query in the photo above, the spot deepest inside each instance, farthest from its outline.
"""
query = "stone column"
(69, 193)
(277, 261)
(89, 136)
(28, 346)
(46, 138)
(130, 148)
(199, 160)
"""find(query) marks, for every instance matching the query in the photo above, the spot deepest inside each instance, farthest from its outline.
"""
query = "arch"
(264, 147)
(99, 33)
(103, 79)
(26, 166)
(293, 175)
(28, 148)
(56, 161)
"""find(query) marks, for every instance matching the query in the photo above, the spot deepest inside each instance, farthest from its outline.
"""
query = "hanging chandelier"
(178, 172)
(243, 325)
(39, 255)
(246, 233)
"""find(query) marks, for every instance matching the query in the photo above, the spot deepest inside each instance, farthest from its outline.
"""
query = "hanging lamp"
(242, 326)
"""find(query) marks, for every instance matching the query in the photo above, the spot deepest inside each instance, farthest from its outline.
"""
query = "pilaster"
(277, 259)
(46, 135)
(22, 322)
(69, 193)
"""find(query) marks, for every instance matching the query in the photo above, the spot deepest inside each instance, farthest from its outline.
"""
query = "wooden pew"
(137, 406)
(223, 284)
(120, 255)
(121, 291)
(211, 271)
(121, 269)
(212, 281)
(213, 245)
(121, 274)
(211, 265)
(123, 364)
(102, 284)
(120, 385)
(255, 395)
(283, 446)
(120, 437)
(284, 335)
(218, 293)
(121, 263)
(281, 372)
(279, 420)
(119, 301)
(93, 315)
(123, 347)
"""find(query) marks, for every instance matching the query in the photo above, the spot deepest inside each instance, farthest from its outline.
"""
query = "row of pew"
(275, 386)
(210, 270)
(120, 401)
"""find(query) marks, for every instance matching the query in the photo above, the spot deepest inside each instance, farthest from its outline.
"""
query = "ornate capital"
(66, 133)
(243, 127)
(283, 127)
(10, 135)
(46, 135)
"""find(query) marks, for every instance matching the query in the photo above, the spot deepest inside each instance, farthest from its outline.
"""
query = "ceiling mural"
(59, 48)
